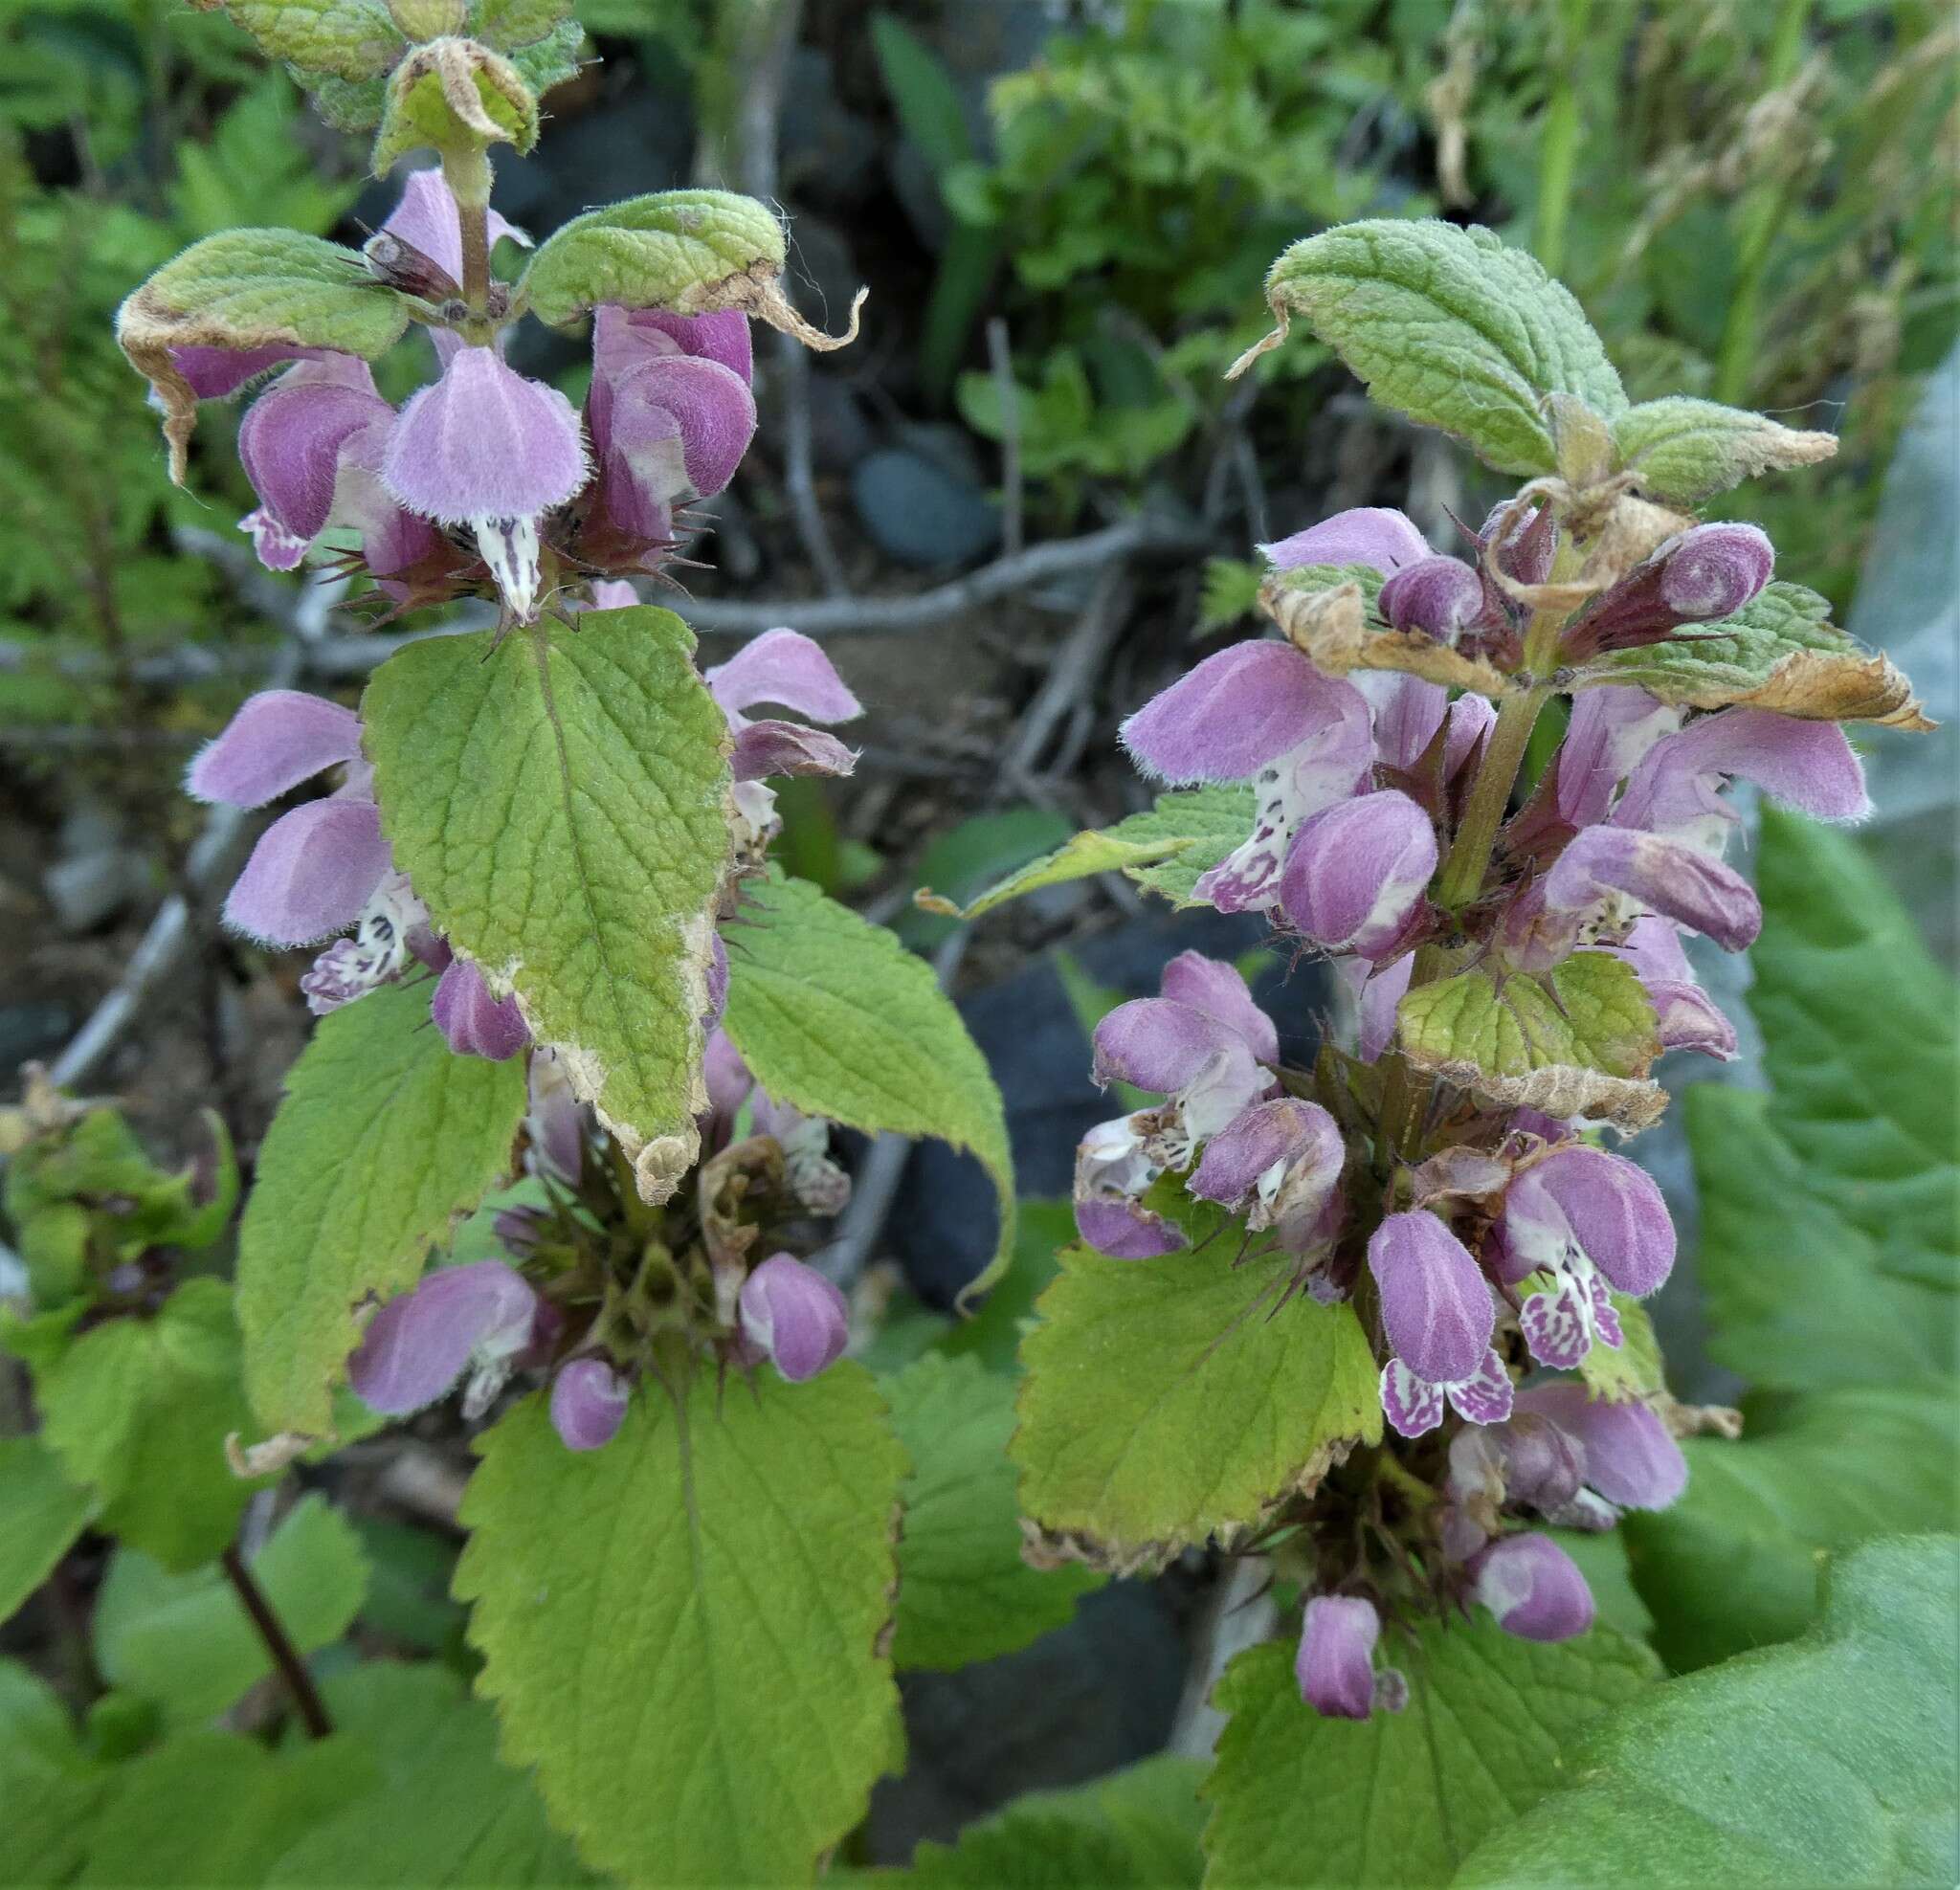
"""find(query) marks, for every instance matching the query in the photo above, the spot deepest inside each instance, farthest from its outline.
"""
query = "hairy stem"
(285, 1657)
(466, 168)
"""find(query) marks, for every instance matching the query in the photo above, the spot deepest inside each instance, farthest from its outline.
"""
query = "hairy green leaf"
(835, 1017)
(1450, 327)
(42, 1514)
(683, 1627)
(560, 803)
(49, 1785)
(965, 1594)
(507, 23)
(1733, 1564)
(1211, 821)
(186, 1641)
(1576, 1041)
(352, 39)
(383, 1139)
(551, 61)
(1402, 1797)
(1171, 1400)
(1686, 451)
(1830, 1761)
(450, 96)
(139, 1410)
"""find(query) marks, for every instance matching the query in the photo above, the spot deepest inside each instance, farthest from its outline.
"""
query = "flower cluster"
(485, 479)
(1485, 1245)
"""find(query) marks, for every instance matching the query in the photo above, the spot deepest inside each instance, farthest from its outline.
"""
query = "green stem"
(1558, 144)
(1761, 214)
(1490, 794)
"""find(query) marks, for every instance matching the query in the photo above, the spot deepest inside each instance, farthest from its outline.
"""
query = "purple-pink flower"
(794, 1316)
(1335, 1665)
(1533, 1588)
(1439, 1316)
(588, 1403)
(475, 1320)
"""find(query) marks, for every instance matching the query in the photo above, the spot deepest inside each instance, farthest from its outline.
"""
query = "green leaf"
(507, 23)
(1632, 1369)
(1831, 1761)
(348, 105)
(992, 1335)
(1733, 1564)
(1601, 1555)
(186, 1641)
(961, 864)
(549, 61)
(352, 39)
(1685, 451)
(1138, 1827)
(833, 1016)
(1575, 1041)
(1402, 1797)
(383, 1139)
(1779, 652)
(681, 1628)
(443, 1810)
(250, 289)
(49, 1785)
(965, 1594)
(1450, 327)
(140, 1409)
(1167, 1401)
(42, 1514)
(690, 251)
(1214, 822)
(560, 804)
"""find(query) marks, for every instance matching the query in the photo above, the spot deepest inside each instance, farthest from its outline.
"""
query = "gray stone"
(919, 514)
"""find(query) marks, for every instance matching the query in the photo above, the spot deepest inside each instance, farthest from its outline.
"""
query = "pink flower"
(1533, 1588)
(588, 1403)
(1438, 1314)
(1335, 1665)
(475, 1320)
(795, 1317)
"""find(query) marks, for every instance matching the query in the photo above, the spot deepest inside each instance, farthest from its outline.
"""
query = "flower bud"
(1357, 872)
(1335, 1665)
(1533, 1588)
(1441, 598)
(797, 1316)
(1713, 570)
(1541, 1464)
(589, 1402)
(420, 1343)
(473, 1022)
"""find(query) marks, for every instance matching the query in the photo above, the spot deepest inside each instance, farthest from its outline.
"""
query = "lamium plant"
(557, 1158)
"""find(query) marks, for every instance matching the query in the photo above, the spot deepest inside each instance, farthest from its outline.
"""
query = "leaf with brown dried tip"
(246, 290)
(1686, 451)
(1333, 630)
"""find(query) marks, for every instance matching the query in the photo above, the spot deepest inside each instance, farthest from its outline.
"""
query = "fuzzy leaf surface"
(690, 251)
(965, 1594)
(1452, 327)
(1164, 1401)
(1733, 1564)
(384, 1138)
(1830, 1761)
(42, 1514)
(1685, 451)
(1211, 821)
(683, 1625)
(834, 1015)
(507, 23)
(138, 1409)
(560, 804)
(352, 39)
(1403, 1797)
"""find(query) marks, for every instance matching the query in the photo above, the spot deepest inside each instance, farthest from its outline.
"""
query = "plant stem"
(1762, 212)
(1490, 794)
(1558, 144)
(285, 1657)
(466, 168)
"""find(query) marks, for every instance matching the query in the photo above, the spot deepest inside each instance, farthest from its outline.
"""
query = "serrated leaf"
(442, 1811)
(1831, 1761)
(551, 61)
(42, 1514)
(1733, 1564)
(1779, 652)
(560, 803)
(1685, 451)
(347, 104)
(1137, 1828)
(682, 1627)
(352, 39)
(1401, 1798)
(1212, 821)
(384, 1138)
(1079, 858)
(833, 1016)
(1450, 327)
(1165, 1401)
(1578, 1041)
(965, 1594)
(453, 95)
(250, 289)
(690, 251)
(507, 23)
(1631, 1370)
(186, 1641)
(138, 1409)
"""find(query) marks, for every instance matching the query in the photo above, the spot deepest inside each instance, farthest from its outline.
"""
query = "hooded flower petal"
(721, 337)
(1378, 992)
(419, 1345)
(1266, 1148)
(474, 1023)
(1218, 990)
(589, 1401)
(1686, 1016)
(1335, 1665)
(1408, 712)
(1357, 872)
(278, 739)
(1630, 1455)
(1610, 729)
(1366, 535)
(311, 874)
(1436, 1309)
(786, 668)
(1113, 1170)
(787, 747)
(1697, 576)
(1441, 598)
(291, 437)
(1533, 1588)
(795, 1316)
(215, 373)
(1579, 1198)
(1672, 878)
